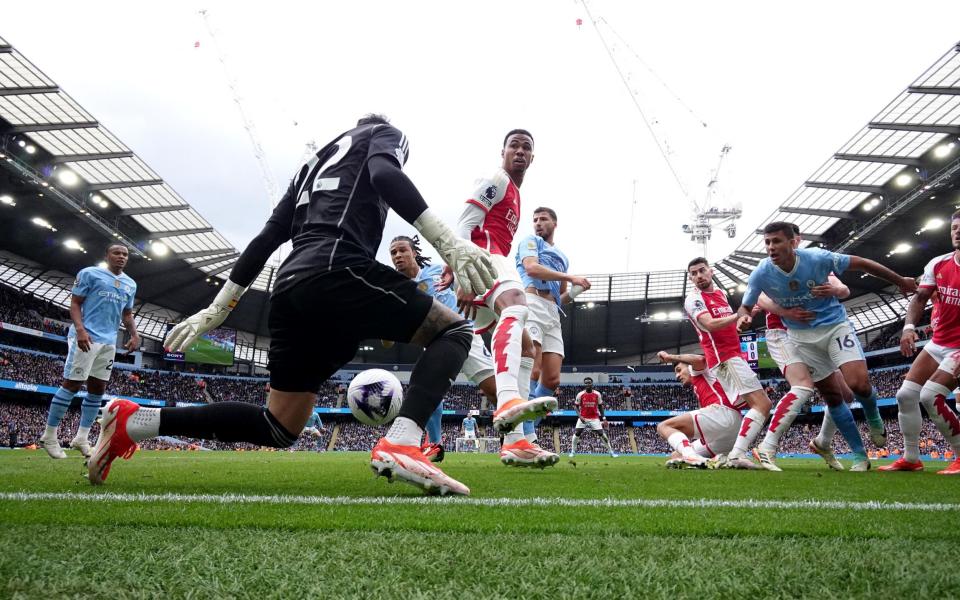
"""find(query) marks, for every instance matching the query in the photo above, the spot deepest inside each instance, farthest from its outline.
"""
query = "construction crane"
(707, 215)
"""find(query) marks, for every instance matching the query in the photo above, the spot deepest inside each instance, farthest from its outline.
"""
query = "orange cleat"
(113, 442)
(952, 469)
(524, 454)
(506, 417)
(902, 465)
(407, 463)
(433, 451)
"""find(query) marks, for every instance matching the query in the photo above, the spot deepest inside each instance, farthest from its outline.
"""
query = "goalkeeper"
(329, 294)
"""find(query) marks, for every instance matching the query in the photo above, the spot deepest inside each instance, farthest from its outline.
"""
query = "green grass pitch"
(205, 351)
(133, 543)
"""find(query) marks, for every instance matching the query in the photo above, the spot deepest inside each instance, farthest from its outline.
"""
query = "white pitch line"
(485, 502)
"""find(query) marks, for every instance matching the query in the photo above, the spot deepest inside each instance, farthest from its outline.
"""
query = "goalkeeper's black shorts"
(317, 324)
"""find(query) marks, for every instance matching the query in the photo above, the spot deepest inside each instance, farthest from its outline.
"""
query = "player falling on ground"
(708, 431)
(589, 406)
(102, 298)
(490, 220)
(827, 342)
(932, 375)
(469, 428)
(329, 294)
(716, 326)
(407, 258)
(543, 272)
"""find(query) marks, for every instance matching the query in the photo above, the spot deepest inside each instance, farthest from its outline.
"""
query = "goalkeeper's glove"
(185, 333)
(471, 264)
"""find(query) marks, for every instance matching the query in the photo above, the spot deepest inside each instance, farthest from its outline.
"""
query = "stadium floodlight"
(30, 149)
(22, 143)
(903, 179)
(934, 223)
(590, 304)
(73, 244)
(742, 287)
(41, 222)
(99, 200)
(159, 249)
(901, 248)
(68, 177)
(943, 150)
(675, 315)
(660, 316)
(8, 200)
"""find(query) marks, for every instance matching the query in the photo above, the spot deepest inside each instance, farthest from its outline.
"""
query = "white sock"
(405, 432)
(514, 436)
(523, 381)
(783, 416)
(506, 346)
(908, 414)
(828, 429)
(143, 424)
(700, 449)
(933, 396)
(50, 433)
(606, 440)
(573, 444)
(83, 433)
(751, 426)
(680, 442)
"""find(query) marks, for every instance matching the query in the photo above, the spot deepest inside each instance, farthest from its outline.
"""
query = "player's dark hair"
(796, 229)
(586, 379)
(955, 215)
(513, 131)
(414, 242)
(549, 211)
(369, 118)
(112, 244)
(788, 229)
(698, 261)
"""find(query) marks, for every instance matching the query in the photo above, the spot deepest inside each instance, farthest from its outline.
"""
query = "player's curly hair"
(373, 118)
(414, 242)
(513, 131)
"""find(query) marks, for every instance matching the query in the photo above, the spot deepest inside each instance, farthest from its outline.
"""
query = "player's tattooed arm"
(908, 339)
(712, 324)
(438, 318)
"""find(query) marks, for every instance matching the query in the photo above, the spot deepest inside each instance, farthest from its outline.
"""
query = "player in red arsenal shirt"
(716, 325)
(700, 434)
(933, 374)
(589, 405)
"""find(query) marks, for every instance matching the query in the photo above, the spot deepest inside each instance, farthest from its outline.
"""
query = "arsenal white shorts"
(592, 424)
(507, 279)
(479, 363)
(97, 362)
(736, 377)
(947, 358)
(781, 349)
(825, 348)
(543, 323)
(716, 426)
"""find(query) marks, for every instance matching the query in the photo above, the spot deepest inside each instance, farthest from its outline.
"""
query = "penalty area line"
(227, 499)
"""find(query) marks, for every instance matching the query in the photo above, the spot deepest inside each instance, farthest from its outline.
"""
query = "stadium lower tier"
(28, 421)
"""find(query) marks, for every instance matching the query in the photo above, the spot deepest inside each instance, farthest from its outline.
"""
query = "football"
(375, 397)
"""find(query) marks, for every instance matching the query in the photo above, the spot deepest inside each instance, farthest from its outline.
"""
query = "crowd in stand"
(27, 311)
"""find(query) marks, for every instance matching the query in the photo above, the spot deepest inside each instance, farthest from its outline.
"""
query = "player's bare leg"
(856, 376)
(677, 431)
(801, 390)
(908, 412)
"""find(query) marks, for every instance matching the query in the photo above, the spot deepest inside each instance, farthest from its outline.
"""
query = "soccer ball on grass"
(375, 396)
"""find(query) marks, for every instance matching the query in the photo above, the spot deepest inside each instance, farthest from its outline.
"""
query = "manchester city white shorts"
(825, 348)
(947, 358)
(507, 279)
(781, 349)
(716, 426)
(97, 362)
(479, 363)
(592, 424)
(470, 434)
(736, 377)
(543, 323)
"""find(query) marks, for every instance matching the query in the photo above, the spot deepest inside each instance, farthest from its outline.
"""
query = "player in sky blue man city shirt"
(102, 298)
(826, 341)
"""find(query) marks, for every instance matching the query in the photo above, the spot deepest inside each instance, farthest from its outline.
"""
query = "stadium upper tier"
(68, 186)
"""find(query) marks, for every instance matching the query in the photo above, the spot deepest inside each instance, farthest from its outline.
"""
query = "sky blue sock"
(848, 428)
(528, 427)
(533, 389)
(433, 425)
(89, 409)
(58, 406)
(870, 409)
(542, 390)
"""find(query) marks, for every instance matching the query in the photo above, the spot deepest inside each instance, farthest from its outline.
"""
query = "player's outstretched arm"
(694, 360)
(470, 264)
(907, 285)
(248, 266)
(908, 339)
